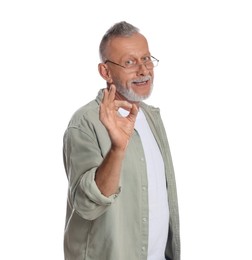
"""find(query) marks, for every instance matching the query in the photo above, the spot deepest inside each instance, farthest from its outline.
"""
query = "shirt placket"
(144, 197)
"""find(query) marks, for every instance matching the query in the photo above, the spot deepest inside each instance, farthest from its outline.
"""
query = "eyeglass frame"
(129, 67)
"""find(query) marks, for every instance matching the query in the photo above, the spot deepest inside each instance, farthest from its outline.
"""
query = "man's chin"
(130, 95)
(136, 98)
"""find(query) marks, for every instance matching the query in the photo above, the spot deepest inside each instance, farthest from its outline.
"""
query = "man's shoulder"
(149, 108)
(86, 109)
(85, 114)
(89, 111)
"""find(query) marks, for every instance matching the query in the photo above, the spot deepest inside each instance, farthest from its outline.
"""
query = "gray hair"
(121, 29)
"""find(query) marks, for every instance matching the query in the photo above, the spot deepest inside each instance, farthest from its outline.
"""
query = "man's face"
(133, 83)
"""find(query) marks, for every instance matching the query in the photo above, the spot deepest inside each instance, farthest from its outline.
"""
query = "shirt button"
(143, 248)
(142, 159)
(144, 219)
(144, 188)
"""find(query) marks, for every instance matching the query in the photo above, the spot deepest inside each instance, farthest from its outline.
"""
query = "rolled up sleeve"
(89, 201)
(82, 157)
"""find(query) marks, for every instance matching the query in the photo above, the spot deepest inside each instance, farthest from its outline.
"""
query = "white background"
(48, 69)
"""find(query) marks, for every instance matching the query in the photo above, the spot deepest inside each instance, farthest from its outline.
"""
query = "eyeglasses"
(149, 62)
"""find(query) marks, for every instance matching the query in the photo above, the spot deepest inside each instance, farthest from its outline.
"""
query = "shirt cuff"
(91, 190)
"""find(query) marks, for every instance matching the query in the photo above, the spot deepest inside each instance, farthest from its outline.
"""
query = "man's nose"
(142, 69)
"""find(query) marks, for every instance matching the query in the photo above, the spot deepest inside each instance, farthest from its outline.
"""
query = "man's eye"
(147, 58)
(129, 63)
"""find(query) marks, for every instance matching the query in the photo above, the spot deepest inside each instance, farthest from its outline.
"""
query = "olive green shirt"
(115, 227)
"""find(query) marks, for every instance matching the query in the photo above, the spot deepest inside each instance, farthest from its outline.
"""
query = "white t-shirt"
(157, 191)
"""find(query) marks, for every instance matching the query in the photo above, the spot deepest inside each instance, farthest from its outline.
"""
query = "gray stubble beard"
(129, 94)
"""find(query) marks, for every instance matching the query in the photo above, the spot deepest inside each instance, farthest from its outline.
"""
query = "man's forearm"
(107, 176)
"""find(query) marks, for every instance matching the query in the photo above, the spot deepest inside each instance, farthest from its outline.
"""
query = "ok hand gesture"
(119, 128)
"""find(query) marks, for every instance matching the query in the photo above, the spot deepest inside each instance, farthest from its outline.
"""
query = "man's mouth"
(141, 81)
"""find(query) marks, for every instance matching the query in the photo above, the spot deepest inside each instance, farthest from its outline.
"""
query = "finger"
(111, 93)
(133, 113)
(105, 96)
(123, 104)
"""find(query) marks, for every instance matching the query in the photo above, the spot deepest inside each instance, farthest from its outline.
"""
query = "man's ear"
(104, 72)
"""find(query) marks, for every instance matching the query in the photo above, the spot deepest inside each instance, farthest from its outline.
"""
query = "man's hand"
(119, 128)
